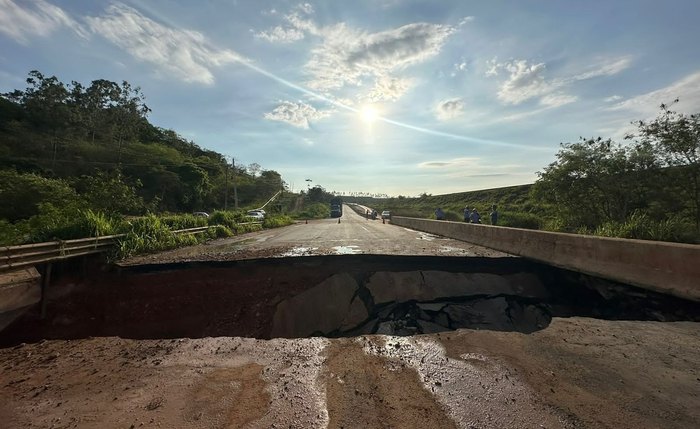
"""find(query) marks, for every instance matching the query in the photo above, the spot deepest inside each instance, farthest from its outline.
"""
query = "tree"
(676, 136)
(108, 192)
(595, 180)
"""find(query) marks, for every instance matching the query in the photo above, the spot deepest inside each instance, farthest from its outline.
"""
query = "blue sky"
(383, 96)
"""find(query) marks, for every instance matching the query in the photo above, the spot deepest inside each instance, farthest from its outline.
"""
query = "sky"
(398, 97)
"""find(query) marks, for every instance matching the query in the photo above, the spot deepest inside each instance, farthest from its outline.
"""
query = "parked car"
(386, 214)
(255, 215)
(201, 214)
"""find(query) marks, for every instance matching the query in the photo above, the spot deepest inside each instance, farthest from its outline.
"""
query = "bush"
(184, 221)
(276, 221)
(314, 211)
(11, 234)
(227, 218)
(642, 227)
(68, 223)
(150, 234)
(519, 220)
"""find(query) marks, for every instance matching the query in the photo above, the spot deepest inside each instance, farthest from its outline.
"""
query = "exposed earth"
(576, 373)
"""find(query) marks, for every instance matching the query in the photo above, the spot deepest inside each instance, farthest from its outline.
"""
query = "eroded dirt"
(576, 373)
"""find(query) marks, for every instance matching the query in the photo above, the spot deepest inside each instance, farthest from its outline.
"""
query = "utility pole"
(226, 187)
(235, 189)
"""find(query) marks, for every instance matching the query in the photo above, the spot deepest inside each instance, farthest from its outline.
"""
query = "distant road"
(353, 235)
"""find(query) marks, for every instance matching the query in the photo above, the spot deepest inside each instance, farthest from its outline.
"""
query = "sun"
(369, 113)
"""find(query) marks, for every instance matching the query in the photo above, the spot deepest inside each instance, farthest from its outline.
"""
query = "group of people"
(470, 215)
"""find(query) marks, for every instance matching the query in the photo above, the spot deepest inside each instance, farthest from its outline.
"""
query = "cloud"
(387, 88)
(470, 167)
(556, 100)
(612, 98)
(452, 163)
(297, 114)
(466, 20)
(687, 90)
(306, 8)
(527, 80)
(605, 68)
(280, 34)
(184, 54)
(347, 56)
(449, 109)
(492, 67)
(39, 19)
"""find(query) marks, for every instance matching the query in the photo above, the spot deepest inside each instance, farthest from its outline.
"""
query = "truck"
(336, 207)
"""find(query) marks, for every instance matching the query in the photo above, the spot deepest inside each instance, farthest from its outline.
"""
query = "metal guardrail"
(13, 257)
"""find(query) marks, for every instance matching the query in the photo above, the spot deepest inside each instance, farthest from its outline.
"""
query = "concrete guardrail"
(671, 268)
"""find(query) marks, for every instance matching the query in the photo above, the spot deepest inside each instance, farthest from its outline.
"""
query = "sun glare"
(369, 113)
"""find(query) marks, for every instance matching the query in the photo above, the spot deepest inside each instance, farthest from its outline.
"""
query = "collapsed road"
(350, 324)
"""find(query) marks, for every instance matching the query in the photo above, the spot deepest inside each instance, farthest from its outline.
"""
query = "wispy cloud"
(297, 23)
(347, 56)
(612, 98)
(187, 55)
(37, 18)
(281, 34)
(298, 114)
(449, 109)
(687, 90)
(527, 80)
(556, 100)
(604, 68)
(387, 88)
(470, 167)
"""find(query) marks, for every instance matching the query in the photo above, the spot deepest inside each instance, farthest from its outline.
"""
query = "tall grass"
(642, 227)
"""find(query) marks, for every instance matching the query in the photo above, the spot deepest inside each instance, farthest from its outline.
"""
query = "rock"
(527, 285)
(356, 315)
(400, 286)
(323, 308)
(442, 320)
(385, 328)
(367, 328)
(431, 306)
(481, 314)
(529, 318)
(429, 327)
(434, 285)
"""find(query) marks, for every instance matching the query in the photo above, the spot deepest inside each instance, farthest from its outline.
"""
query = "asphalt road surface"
(352, 235)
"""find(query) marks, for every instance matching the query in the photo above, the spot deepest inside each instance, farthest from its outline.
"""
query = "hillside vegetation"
(71, 153)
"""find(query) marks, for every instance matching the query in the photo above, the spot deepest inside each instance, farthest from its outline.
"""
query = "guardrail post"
(44, 289)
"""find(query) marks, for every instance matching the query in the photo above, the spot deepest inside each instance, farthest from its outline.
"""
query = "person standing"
(494, 215)
(439, 214)
(467, 214)
(475, 217)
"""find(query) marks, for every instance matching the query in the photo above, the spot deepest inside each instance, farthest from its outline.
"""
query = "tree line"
(92, 146)
(647, 187)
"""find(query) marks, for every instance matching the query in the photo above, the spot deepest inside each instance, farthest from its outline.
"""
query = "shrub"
(184, 221)
(149, 234)
(276, 221)
(519, 220)
(314, 211)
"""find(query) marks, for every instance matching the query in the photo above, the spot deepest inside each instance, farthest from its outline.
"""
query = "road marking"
(365, 228)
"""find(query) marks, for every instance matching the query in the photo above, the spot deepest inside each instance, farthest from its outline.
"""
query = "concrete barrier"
(670, 268)
(19, 290)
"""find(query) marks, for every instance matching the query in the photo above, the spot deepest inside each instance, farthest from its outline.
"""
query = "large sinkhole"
(331, 296)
